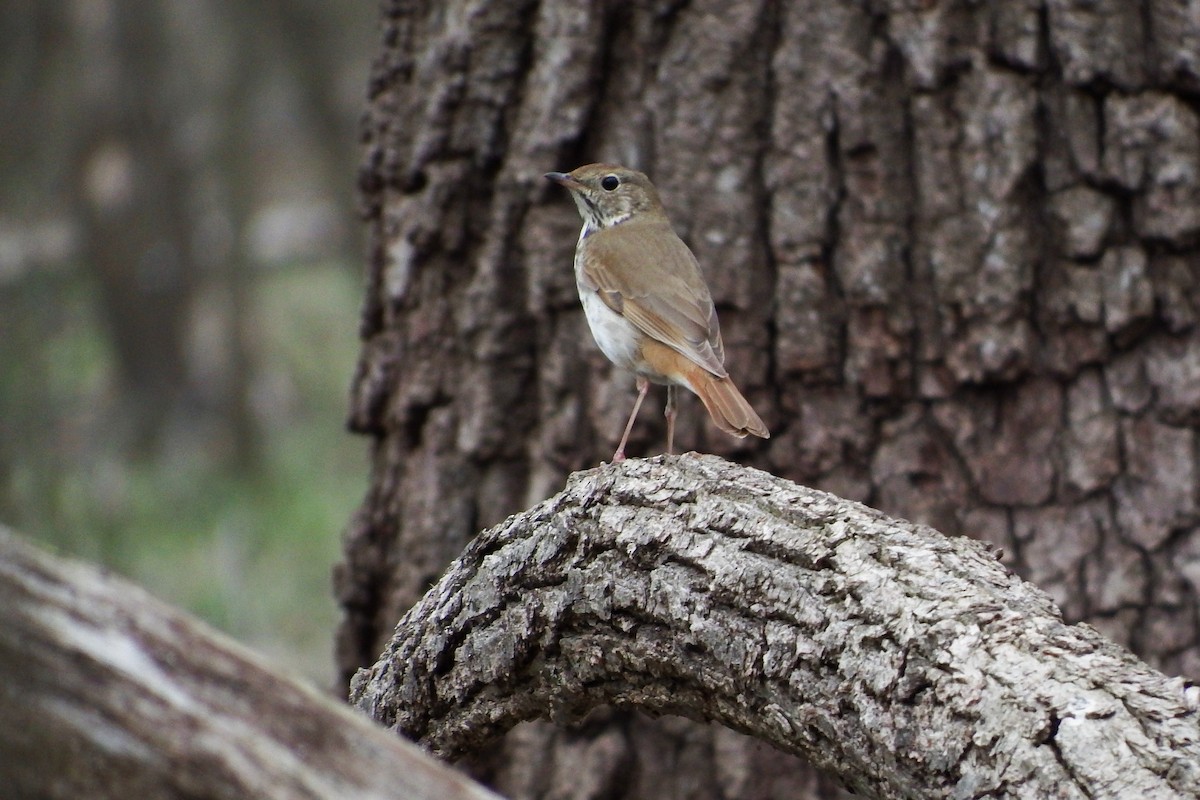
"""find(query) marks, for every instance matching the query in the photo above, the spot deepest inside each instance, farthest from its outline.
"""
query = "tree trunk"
(953, 248)
(910, 664)
(133, 201)
(106, 693)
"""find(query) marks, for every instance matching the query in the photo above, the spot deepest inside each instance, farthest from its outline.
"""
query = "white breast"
(616, 336)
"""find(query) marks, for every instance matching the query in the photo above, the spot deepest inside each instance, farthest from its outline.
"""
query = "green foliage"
(251, 553)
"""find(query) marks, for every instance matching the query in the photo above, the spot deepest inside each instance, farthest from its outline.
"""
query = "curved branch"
(908, 663)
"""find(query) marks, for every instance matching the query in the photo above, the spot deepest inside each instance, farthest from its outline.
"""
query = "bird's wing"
(644, 272)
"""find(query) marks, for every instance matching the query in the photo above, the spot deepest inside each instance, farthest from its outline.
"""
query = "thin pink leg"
(643, 386)
(669, 413)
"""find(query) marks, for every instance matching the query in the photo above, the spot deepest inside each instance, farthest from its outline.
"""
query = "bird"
(646, 301)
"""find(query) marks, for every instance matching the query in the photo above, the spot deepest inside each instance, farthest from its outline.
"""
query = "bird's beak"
(563, 179)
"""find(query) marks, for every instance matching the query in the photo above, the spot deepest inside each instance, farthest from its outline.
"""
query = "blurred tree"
(954, 250)
(176, 209)
(157, 134)
(134, 199)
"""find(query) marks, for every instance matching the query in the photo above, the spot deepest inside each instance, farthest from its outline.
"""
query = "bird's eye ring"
(610, 182)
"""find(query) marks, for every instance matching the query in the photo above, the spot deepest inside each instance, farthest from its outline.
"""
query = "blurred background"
(180, 266)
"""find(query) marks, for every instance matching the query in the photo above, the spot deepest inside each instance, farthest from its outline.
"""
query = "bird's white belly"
(616, 336)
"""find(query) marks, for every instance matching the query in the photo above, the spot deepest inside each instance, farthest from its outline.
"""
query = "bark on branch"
(107, 693)
(908, 663)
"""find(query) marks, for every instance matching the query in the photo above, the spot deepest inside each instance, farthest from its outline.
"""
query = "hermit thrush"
(645, 300)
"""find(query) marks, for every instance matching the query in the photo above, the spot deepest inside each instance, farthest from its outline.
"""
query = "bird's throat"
(596, 220)
(599, 215)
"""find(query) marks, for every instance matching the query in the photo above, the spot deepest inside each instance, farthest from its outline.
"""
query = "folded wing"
(649, 276)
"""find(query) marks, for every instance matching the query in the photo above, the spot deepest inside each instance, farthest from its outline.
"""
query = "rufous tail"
(725, 404)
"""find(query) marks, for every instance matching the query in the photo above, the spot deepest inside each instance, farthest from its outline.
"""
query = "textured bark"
(954, 247)
(107, 693)
(910, 664)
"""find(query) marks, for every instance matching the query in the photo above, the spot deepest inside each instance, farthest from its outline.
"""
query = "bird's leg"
(669, 413)
(643, 386)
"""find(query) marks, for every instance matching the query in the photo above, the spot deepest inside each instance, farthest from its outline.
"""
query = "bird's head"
(608, 195)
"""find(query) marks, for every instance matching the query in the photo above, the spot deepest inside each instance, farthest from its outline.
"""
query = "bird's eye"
(610, 182)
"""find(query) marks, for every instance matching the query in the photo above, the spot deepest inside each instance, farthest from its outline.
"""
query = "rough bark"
(106, 693)
(910, 664)
(953, 245)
